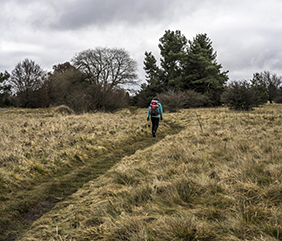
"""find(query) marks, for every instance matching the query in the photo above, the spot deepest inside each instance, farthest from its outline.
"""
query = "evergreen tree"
(260, 88)
(152, 72)
(154, 85)
(172, 48)
(184, 67)
(202, 72)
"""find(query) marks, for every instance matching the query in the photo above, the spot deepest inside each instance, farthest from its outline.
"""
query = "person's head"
(156, 98)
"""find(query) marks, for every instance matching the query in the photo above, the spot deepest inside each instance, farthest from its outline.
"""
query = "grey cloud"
(83, 13)
(245, 34)
(269, 59)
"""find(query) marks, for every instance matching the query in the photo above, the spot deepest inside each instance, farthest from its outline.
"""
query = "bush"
(240, 95)
(64, 110)
(278, 98)
(173, 101)
(72, 89)
(6, 100)
(261, 93)
(192, 99)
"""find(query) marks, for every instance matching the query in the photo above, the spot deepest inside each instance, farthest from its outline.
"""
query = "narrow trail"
(29, 205)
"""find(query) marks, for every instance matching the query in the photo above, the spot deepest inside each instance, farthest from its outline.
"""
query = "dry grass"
(35, 142)
(49, 154)
(218, 179)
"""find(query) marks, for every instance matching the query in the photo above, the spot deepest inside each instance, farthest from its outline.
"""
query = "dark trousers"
(155, 124)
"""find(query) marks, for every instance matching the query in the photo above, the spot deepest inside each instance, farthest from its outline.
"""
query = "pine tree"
(202, 72)
(260, 88)
(152, 71)
(172, 48)
(184, 67)
(154, 85)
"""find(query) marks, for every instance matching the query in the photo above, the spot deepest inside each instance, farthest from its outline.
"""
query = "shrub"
(278, 98)
(6, 100)
(73, 90)
(240, 96)
(64, 110)
(192, 99)
(173, 101)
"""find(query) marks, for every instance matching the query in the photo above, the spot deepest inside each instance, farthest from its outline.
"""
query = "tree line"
(101, 78)
(244, 95)
(96, 79)
(190, 76)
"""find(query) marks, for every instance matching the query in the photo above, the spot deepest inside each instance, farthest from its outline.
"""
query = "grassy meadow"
(210, 174)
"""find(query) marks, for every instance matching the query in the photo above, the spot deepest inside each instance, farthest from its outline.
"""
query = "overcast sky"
(246, 34)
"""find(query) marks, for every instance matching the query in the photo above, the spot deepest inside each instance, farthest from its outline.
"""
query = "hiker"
(156, 112)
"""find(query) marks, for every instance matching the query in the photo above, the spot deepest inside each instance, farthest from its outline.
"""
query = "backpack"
(154, 108)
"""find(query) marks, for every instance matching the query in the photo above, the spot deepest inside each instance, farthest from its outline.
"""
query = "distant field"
(211, 174)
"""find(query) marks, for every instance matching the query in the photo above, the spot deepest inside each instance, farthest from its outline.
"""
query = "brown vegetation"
(218, 179)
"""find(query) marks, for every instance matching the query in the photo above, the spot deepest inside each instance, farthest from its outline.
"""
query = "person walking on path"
(156, 112)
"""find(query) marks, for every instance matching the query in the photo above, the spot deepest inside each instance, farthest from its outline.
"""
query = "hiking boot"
(154, 134)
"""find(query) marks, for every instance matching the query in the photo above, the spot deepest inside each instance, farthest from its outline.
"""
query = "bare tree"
(26, 78)
(3, 79)
(5, 89)
(107, 67)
